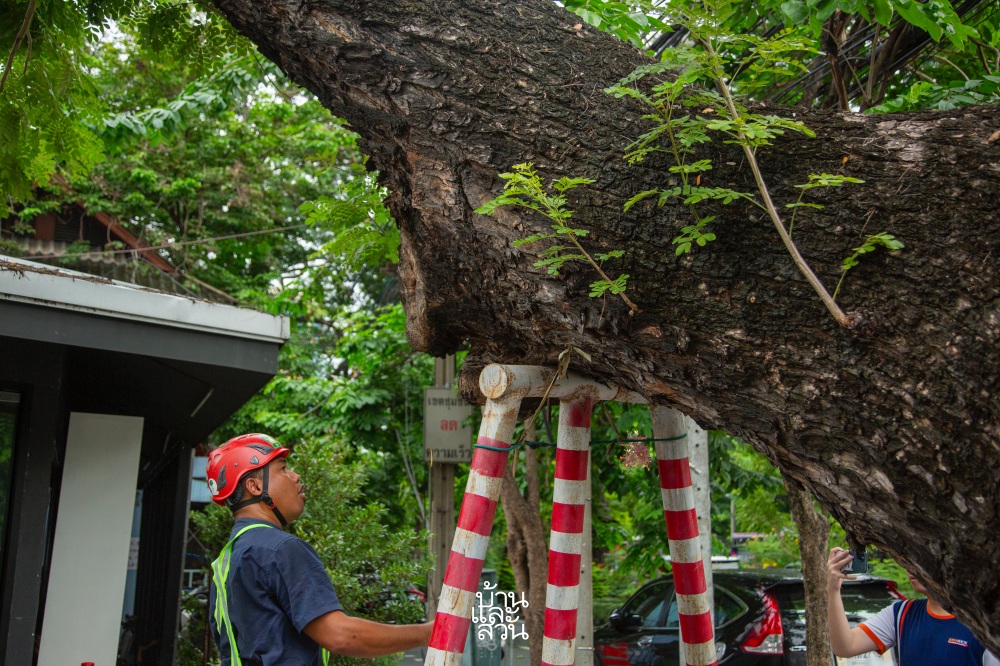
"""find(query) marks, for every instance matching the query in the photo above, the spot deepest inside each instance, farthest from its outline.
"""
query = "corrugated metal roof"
(46, 286)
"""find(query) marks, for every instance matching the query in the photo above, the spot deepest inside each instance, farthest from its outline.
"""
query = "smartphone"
(859, 565)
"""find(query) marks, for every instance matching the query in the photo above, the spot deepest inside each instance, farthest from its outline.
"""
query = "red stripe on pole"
(689, 577)
(567, 517)
(560, 624)
(476, 514)
(576, 414)
(450, 632)
(564, 568)
(463, 572)
(681, 525)
(572, 465)
(490, 463)
(674, 473)
(696, 628)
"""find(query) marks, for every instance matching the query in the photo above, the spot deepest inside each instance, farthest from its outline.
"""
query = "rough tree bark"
(814, 531)
(527, 546)
(892, 425)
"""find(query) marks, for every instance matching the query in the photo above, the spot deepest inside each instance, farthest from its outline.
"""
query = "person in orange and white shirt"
(920, 632)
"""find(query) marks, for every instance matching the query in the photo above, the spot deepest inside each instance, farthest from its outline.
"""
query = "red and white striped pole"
(475, 521)
(504, 386)
(693, 603)
(569, 495)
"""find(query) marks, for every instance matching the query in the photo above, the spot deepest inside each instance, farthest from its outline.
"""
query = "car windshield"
(862, 602)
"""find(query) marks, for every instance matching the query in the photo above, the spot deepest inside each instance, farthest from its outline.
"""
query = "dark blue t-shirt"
(276, 586)
(919, 637)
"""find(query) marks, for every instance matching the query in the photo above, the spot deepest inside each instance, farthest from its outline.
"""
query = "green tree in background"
(362, 390)
(258, 195)
(886, 55)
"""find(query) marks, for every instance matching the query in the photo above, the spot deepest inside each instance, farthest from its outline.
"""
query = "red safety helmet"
(229, 463)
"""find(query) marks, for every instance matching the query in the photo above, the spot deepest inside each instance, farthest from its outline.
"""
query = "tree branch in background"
(408, 466)
(22, 33)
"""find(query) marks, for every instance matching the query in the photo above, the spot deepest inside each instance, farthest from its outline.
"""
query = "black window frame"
(7, 395)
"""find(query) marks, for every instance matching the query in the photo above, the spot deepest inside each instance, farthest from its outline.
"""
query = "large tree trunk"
(893, 425)
(814, 532)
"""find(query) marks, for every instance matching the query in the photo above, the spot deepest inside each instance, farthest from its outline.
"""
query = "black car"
(759, 620)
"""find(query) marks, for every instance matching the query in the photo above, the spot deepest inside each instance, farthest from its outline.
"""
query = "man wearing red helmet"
(271, 596)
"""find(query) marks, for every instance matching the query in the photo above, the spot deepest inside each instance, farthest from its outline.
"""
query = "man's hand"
(838, 560)
(845, 640)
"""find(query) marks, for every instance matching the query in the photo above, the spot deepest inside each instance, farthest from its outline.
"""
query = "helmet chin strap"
(265, 498)
(268, 502)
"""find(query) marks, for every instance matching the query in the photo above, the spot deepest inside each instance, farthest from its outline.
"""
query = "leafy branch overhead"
(54, 116)
(686, 113)
(524, 188)
(364, 232)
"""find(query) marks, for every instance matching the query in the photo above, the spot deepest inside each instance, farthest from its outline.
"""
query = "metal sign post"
(447, 441)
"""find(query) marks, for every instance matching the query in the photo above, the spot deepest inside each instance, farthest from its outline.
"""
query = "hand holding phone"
(859, 565)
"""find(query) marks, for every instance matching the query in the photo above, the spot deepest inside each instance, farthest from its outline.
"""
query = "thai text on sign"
(447, 437)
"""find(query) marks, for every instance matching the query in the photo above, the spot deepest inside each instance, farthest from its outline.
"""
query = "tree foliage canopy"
(56, 115)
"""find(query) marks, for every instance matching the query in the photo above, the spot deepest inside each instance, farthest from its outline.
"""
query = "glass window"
(8, 428)
(726, 609)
(673, 619)
(648, 604)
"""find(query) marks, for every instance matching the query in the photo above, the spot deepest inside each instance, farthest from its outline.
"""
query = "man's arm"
(349, 636)
(845, 640)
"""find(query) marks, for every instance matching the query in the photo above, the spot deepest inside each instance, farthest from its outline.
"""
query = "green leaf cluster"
(771, 48)
(872, 243)
(54, 117)
(817, 181)
(630, 21)
(927, 95)
(364, 232)
(616, 286)
(523, 187)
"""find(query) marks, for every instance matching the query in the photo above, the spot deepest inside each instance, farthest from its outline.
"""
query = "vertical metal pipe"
(475, 521)
(693, 604)
(442, 499)
(569, 497)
